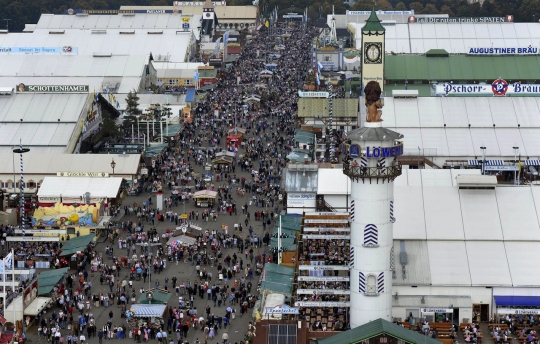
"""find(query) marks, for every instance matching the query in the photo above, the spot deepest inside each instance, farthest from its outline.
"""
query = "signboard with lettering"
(501, 168)
(322, 292)
(437, 310)
(384, 152)
(367, 13)
(324, 278)
(52, 88)
(499, 87)
(325, 221)
(313, 94)
(530, 50)
(326, 237)
(98, 12)
(518, 311)
(198, 3)
(326, 229)
(48, 199)
(323, 267)
(322, 304)
(83, 174)
(65, 50)
(506, 19)
(282, 309)
(301, 196)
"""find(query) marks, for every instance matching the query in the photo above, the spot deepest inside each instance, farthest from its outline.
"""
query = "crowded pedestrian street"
(213, 281)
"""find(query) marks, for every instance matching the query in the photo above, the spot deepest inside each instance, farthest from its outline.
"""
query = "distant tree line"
(23, 12)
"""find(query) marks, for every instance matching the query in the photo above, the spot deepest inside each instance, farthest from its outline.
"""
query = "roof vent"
(405, 93)
(127, 32)
(99, 32)
(57, 32)
(481, 182)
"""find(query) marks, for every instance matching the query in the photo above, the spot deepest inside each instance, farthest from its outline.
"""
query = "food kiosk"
(205, 198)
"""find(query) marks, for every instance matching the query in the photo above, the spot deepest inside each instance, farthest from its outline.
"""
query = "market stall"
(205, 198)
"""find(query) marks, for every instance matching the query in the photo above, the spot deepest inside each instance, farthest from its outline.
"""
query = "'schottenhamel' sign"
(52, 88)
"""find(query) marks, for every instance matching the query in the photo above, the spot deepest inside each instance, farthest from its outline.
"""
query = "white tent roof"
(454, 37)
(37, 305)
(37, 163)
(78, 186)
(339, 185)
(422, 120)
(144, 310)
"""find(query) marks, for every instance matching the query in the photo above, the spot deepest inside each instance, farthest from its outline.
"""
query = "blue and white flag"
(216, 48)
(320, 66)
(318, 80)
(196, 76)
(117, 104)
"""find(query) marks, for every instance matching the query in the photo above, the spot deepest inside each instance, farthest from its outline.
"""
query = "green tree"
(465, 11)
(529, 10)
(447, 10)
(384, 5)
(430, 9)
(400, 6)
(362, 5)
(132, 110)
(417, 7)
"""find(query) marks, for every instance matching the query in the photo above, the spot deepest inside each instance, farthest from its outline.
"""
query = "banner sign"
(292, 15)
(48, 199)
(326, 229)
(322, 304)
(499, 88)
(301, 196)
(147, 11)
(323, 267)
(325, 221)
(198, 3)
(518, 311)
(367, 13)
(83, 174)
(282, 309)
(322, 292)
(323, 278)
(384, 152)
(437, 310)
(504, 51)
(313, 94)
(41, 231)
(501, 168)
(326, 237)
(506, 19)
(67, 50)
(52, 88)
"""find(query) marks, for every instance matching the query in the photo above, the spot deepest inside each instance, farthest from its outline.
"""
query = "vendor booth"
(73, 190)
(205, 198)
(234, 141)
(157, 297)
(224, 158)
(148, 311)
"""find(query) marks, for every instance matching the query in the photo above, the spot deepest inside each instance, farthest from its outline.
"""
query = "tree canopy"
(21, 12)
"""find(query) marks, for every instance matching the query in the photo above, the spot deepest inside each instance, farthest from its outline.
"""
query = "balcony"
(382, 174)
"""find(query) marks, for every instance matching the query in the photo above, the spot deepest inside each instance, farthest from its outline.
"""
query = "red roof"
(234, 50)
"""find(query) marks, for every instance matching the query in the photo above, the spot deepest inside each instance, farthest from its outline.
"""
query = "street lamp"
(113, 165)
(516, 151)
(21, 151)
(483, 158)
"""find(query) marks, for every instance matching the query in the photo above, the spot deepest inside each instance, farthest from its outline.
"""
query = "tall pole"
(279, 242)
(21, 151)
(516, 150)
(330, 117)
(147, 131)
(132, 134)
(483, 148)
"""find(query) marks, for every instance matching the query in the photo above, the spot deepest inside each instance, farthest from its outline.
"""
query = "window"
(187, 81)
(31, 184)
(9, 184)
(172, 82)
(282, 334)
(371, 236)
(1, 184)
(371, 285)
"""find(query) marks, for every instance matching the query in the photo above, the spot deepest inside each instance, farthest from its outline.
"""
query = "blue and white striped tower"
(372, 170)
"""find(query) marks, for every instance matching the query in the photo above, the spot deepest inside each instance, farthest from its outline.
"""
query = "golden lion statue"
(373, 101)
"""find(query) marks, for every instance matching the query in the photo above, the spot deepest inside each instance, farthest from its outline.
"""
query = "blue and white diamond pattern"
(352, 210)
(380, 283)
(361, 282)
(371, 235)
(351, 257)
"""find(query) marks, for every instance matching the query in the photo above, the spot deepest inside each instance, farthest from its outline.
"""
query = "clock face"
(372, 53)
(207, 15)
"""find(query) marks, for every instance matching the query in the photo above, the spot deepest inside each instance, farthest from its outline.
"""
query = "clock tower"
(373, 50)
(208, 22)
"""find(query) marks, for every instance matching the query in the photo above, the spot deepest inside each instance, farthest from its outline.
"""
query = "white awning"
(148, 311)
(74, 187)
(532, 162)
(36, 306)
